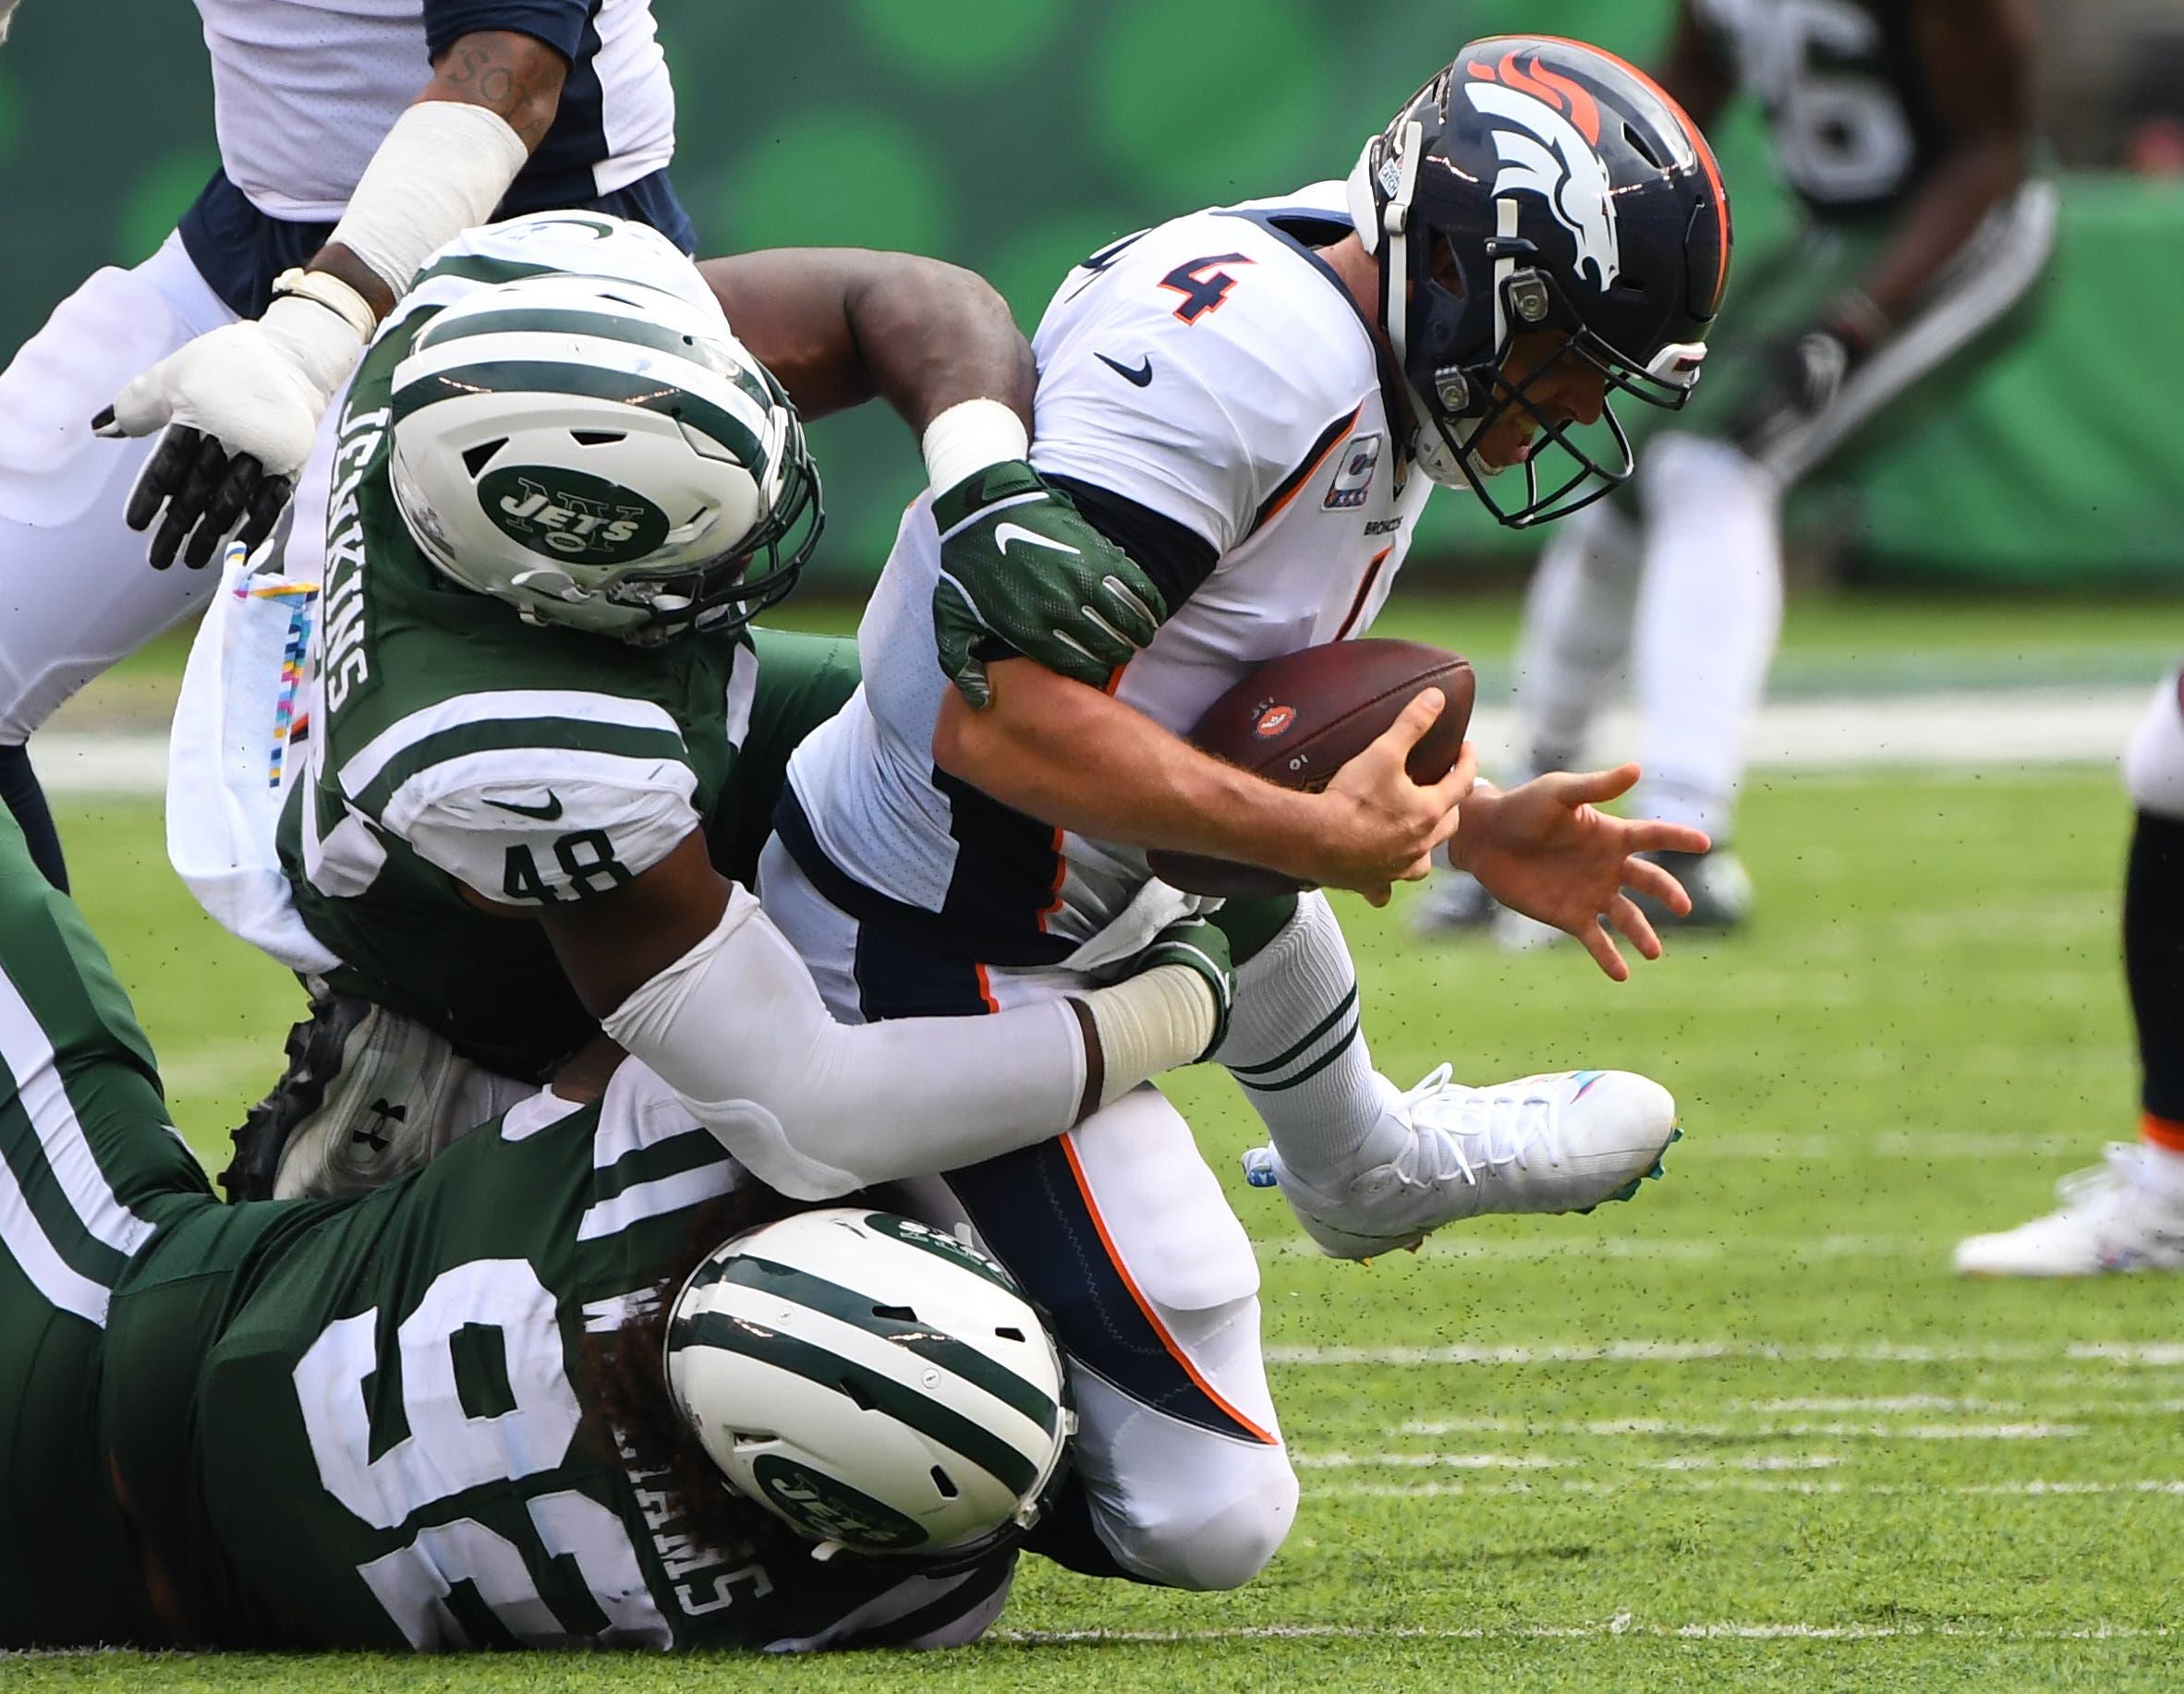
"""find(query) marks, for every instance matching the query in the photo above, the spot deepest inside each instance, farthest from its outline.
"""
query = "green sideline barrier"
(1015, 136)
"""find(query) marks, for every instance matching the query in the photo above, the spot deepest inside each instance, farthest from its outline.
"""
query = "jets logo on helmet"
(1554, 156)
(875, 1384)
(566, 514)
(602, 454)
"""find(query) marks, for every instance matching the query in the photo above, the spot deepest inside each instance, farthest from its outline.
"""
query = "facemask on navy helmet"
(1541, 185)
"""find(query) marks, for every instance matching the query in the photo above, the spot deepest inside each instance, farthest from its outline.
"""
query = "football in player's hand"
(1298, 719)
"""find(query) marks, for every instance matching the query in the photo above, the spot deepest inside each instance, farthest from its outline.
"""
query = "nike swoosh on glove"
(1023, 574)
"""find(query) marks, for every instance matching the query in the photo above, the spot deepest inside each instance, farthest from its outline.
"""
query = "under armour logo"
(373, 1134)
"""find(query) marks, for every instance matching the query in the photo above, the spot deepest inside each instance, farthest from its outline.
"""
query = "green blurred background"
(1015, 136)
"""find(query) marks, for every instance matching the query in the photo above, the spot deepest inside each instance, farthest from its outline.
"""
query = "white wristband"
(331, 293)
(442, 167)
(969, 436)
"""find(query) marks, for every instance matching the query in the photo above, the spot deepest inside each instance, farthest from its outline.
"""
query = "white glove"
(240, 406)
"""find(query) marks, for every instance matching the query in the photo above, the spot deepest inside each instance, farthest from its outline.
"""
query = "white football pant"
(1121, 1234)
(76, 593)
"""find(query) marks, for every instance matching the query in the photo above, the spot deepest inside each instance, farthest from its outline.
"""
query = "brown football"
(1298, 719)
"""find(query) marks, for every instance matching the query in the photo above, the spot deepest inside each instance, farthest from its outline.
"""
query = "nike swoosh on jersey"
(1138, 377)
(545, 814)
(1016, 532)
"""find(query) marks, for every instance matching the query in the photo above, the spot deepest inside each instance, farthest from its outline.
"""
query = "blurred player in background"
(355, 138)
(1255, 402)
(2127, 1214)
(1905, 128)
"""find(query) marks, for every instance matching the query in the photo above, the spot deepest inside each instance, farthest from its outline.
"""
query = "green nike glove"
(1021, 572)
(1198, 944)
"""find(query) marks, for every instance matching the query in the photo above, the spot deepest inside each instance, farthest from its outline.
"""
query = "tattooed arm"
(240, 406)
(516, 76)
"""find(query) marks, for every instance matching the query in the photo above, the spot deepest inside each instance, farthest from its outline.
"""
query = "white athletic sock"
(1577, 633)
(1709, 610)
(1295, 1047)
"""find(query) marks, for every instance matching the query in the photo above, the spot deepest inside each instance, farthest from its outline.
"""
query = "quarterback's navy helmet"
(1541, 184)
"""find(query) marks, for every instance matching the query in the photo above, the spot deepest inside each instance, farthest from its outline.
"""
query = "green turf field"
(1747, 1430)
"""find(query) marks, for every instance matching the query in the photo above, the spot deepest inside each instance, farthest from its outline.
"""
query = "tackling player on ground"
(1906, 132)
(439, 1417)
(1254, 402)
(548, 745)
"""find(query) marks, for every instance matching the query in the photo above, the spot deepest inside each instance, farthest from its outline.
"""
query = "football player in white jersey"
(355, 137)
(1254, 402)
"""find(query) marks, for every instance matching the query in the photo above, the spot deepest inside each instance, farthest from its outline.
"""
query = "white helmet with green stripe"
(872, 1382)
(604, 456)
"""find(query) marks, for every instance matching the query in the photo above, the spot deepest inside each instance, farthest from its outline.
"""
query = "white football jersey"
(1215, 370)
(304, 91)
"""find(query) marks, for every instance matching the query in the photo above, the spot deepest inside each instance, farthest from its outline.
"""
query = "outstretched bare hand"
(1544, 849)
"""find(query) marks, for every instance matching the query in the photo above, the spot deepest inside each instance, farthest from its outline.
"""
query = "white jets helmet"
(872, 1382)
(604, 456)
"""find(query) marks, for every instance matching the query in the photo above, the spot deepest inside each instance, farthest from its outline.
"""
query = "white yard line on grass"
(2036, 726)
(1685, 1481)
(2156, 1355)
(1623, 1624)
(1647, 1428)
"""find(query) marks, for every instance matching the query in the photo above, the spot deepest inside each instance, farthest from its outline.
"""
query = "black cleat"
(316, 1050)
(1719, 886)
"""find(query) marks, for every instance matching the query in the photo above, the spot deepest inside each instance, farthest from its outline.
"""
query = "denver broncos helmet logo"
(1548, 141)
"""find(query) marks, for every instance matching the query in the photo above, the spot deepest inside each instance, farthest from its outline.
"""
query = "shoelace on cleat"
(1509, 1127)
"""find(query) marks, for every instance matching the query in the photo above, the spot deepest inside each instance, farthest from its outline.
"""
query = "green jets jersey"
(375, 1423)
(465, 755)
(1855, 126)
(384, 1422)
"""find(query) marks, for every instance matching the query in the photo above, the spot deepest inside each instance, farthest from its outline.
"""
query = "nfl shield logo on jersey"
(1354, 479)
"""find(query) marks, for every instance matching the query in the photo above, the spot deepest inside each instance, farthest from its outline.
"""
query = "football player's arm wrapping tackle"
(241, 405)
(1978, 57)
(689, 976)
(843, 325)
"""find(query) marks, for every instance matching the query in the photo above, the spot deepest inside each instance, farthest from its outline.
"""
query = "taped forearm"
(817, 1108)
(442, 167)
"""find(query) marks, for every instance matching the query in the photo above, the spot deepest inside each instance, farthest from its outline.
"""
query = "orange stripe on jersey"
(1363, 589)
(1175, 1351)
(1699, 145)
(2164, 1132)
(1295, 482)
(986, 988)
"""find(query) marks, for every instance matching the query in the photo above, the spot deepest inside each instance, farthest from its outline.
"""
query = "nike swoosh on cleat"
(1137, 378)
(545, 814)
(1016, 532)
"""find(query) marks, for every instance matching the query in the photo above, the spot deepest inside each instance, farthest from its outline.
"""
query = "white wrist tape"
(1154, 1021)
(817, 1108)
(323, 345)
(969, 436)
(331, 293)
(441, 168)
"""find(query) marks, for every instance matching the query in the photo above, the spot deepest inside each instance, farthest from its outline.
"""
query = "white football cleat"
(1561, 1143)
(2113, 1217)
